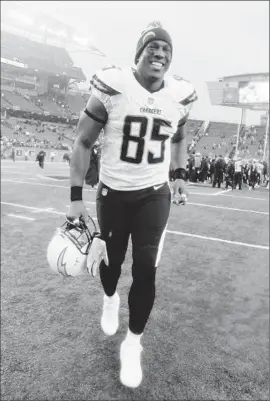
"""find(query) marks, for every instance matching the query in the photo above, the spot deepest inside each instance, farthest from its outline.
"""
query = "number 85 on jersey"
(144, 140)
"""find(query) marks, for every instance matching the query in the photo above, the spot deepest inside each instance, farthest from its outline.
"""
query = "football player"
(40, 158)
(143, 115)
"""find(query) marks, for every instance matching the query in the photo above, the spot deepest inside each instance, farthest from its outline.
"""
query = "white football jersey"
(136, 150)
(238, 166)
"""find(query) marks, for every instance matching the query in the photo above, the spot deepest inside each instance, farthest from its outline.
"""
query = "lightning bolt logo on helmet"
(61, 267)
(68, 249)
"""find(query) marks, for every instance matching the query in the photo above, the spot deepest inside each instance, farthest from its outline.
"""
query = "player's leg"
(214, 180)
(148, 233)
(253, 180)
(114, 229)
(240, 181)
(220, 178)
(235, 180)
(227, 181)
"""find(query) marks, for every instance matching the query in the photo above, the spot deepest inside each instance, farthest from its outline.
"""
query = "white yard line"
(36, 209)
(221, 192)
(43, 185)
(199, 193)
(219, 240)
(211, 206)
(246, 197)
(18, 173)
(168, 231)
(21, 217)
(94, 190)
(227, 208)
(63, 186)
(44, 177)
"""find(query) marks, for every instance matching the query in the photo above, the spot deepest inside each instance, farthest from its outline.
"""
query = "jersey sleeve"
(184, 94)
(183, 120)
(105, 84)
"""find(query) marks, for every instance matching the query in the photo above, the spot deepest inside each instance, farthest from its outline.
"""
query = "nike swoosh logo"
(156, 187)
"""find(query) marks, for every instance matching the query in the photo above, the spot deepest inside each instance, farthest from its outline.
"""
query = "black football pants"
(238, 179)
(143, 215)
(218, 178)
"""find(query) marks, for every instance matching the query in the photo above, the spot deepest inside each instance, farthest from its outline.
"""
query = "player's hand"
(77, 212)
(97, 253)
(180, 193)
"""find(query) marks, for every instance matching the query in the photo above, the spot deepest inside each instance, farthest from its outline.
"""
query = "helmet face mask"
(68, 249)
(79, 235)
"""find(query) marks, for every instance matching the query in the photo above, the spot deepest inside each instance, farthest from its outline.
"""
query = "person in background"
(197, 165)
(229, 174)
(66, 157)
(265, 171)
(13, 154)
(212, 171)
(52, 156)
(253, 176)
(238, 174)
(40, 158)
(218, 172)
(204, 169)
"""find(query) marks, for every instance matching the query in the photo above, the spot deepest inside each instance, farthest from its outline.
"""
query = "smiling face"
(155, 60)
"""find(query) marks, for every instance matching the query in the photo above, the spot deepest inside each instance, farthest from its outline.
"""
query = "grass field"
(207, 337)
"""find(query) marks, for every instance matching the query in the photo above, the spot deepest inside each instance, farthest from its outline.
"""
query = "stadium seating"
(218, 129)
(193, 126)
(51, 107)
(5, 102)
(76, 103)
(18, 101)
(6, 130)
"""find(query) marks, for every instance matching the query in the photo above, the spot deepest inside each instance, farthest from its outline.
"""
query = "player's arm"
(178, 162)
(179, 147)
(91, 122)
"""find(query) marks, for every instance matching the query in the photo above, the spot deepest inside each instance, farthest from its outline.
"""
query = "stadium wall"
(30, 154)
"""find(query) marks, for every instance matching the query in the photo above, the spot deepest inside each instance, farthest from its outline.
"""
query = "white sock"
(135, 338)
(112, 298)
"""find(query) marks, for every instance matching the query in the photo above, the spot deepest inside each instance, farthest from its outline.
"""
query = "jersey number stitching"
(155, 136)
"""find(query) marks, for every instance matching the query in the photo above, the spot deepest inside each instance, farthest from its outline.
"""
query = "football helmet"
(69, 247)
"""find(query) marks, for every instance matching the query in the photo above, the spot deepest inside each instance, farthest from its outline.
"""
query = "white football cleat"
(110, 318)
(130, 358)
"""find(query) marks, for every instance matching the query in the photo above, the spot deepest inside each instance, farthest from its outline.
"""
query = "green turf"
(207, 337)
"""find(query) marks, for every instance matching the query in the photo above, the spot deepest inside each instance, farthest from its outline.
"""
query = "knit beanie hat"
(154, 31)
